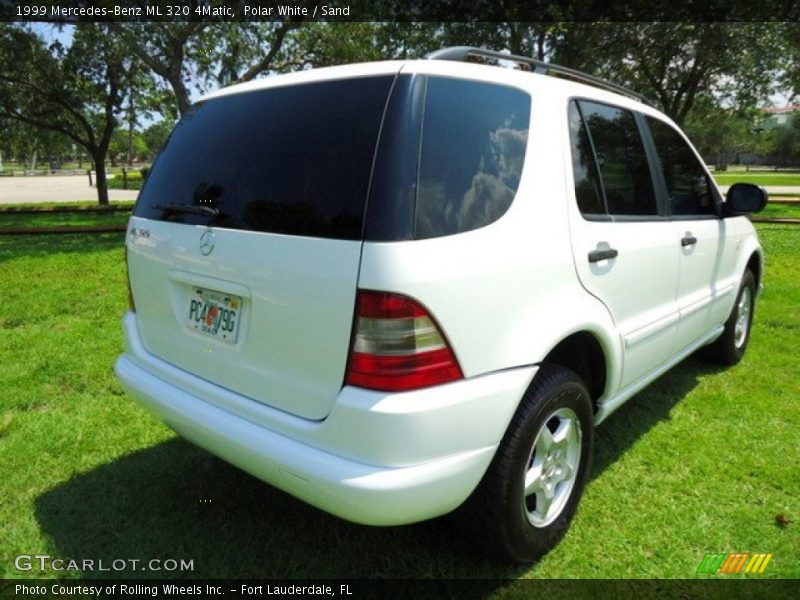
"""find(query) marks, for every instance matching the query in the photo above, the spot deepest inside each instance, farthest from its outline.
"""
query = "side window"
(688, 188)
(588, 190)
(474, 137)
(621, 160)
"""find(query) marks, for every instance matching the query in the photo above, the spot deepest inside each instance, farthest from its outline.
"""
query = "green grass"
(701, 461)
(63, 219)
(9, 218)
(5, 208)
(758, 177)
(791, 211)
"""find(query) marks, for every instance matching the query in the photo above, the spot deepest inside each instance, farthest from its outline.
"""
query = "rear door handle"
(604, 254)
(688, 240)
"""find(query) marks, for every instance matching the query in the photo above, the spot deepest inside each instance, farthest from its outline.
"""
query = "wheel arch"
(584, 353)
(756, 264)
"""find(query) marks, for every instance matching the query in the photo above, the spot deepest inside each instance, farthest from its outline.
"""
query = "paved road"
(54, 188)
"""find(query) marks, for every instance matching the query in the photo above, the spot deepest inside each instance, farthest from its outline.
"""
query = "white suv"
(400, 288)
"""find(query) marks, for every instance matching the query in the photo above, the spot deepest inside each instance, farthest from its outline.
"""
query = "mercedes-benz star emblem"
(207, 242)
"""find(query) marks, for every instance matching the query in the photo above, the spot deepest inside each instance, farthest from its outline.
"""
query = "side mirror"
(745, 198)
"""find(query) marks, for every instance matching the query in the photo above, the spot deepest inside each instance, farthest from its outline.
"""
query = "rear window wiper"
(191, 209)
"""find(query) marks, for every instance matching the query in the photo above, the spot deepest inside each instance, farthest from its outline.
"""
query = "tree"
(30, 145)
(791, 76)
(155, 136)
(676, 63)
(672, 63)
(204, 52)
(126, 145)
(782, 144)
(165, 48)
(76, 91)
(718, 132)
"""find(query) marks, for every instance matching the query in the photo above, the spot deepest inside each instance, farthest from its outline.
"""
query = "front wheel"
(525, 502)
(729, 348)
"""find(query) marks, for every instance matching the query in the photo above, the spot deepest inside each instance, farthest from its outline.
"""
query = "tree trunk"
(33, 161)
(181, 93)
(131, 121)
(100, 181)
(721, 162)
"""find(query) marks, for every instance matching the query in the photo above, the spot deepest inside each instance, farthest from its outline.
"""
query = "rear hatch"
(245, 243)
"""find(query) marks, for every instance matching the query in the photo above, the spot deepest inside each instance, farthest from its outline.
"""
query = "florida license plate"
(214, 314)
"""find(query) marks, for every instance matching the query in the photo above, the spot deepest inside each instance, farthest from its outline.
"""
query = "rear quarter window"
(474, 137)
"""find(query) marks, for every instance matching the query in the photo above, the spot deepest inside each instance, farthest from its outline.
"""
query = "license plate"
(214, 314)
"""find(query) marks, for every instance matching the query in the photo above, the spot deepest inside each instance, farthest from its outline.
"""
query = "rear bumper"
(377, 459)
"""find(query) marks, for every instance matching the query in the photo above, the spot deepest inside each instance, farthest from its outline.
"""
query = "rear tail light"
(131, 304)
(397, 345)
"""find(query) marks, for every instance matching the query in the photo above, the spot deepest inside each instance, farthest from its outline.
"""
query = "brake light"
(397, 345)
(131, 303)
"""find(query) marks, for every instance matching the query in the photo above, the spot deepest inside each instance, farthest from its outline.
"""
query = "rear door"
(245, 243)
(623, 247)
(706, 252)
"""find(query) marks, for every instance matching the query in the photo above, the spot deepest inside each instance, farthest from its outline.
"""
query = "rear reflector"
(397, 345)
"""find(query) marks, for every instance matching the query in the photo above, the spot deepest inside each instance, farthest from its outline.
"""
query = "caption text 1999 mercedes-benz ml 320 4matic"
(402, 288)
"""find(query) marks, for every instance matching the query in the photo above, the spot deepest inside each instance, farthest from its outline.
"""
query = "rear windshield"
(293, 160)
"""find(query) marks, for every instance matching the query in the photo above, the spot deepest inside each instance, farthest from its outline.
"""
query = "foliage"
(673, 63)
(22, 141)
(676, 63)
(782, 144)
(155, 136)
(125, 142)
(207, 52)
(134, 181)
(718, 132)
(76, 91)
(791, 74)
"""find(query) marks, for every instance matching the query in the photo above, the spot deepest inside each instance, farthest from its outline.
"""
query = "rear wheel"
(729, 348)
(526, 500)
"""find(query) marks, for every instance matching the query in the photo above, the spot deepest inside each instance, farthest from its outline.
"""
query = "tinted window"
(621, 160)
(292, 160)
(474, 137)
(588, 191)
(687, 184)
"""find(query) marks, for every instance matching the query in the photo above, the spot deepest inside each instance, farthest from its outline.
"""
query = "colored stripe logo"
(734, 563)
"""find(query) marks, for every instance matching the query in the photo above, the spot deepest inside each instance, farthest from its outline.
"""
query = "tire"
(548, 444)
(729, 348)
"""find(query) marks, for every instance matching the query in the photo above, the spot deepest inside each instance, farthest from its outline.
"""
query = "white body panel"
(297, 294)
(378, 459)
(638, 286)
(504, 295)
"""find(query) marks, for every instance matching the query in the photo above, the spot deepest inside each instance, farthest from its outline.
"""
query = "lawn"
(63, 219)
(758, 177)
(781, 211)
(704, 460)
(9, 218)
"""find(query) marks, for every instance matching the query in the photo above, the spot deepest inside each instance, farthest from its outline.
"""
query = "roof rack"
(462, 53)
